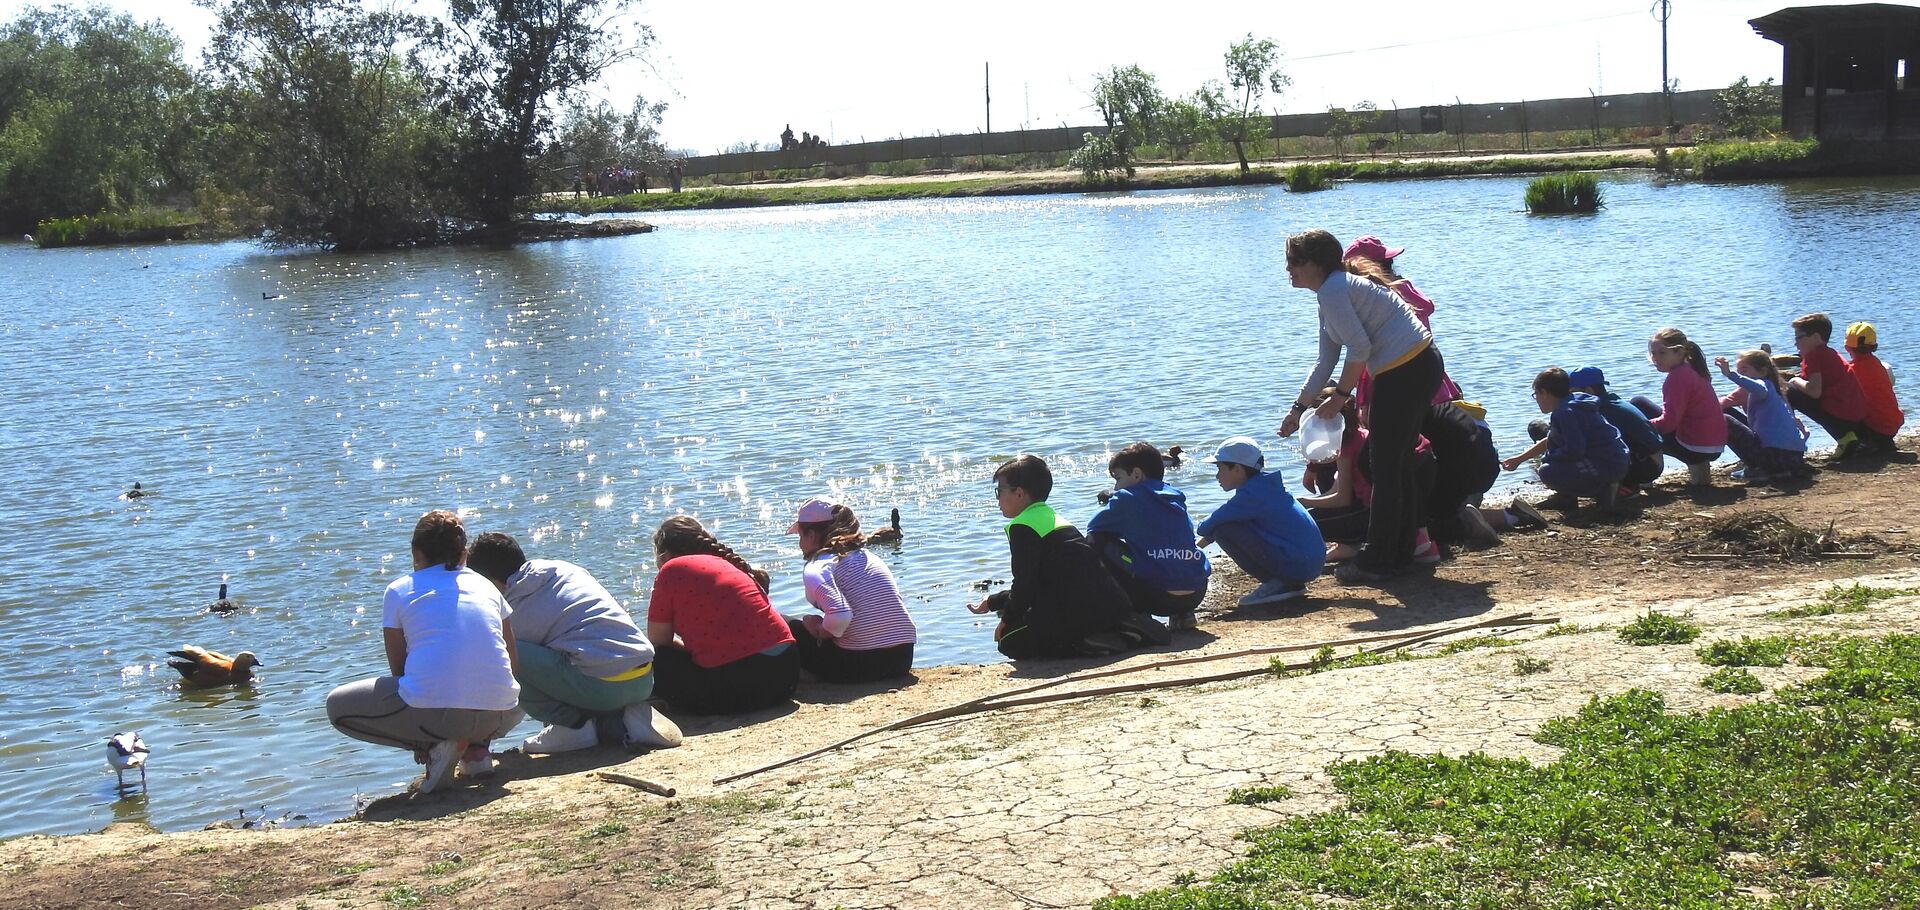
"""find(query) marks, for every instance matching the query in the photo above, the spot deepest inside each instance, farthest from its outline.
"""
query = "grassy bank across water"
(1801, 800)
(1036, 184)
(138, 226)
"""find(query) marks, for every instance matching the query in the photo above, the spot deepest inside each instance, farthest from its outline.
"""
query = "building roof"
(1793, 22)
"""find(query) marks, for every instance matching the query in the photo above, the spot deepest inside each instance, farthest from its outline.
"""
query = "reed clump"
(137, 226)
(1560, 194)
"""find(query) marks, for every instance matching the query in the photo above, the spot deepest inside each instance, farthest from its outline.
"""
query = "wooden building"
(1848, 71)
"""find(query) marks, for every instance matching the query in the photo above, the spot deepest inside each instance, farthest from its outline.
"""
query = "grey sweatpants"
(371, 711)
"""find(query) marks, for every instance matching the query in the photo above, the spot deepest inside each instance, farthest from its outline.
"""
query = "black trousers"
(747, 684)
(1401, 397)
(828, 661)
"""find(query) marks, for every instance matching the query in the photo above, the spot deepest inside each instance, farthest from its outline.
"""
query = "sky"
(862, 70)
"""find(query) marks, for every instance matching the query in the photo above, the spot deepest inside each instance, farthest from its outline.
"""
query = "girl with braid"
(719, 646)
(862, 632)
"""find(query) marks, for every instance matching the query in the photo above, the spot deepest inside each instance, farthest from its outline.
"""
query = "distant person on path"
(582, 658)
(1381, 335)
(1826, 390)
(1884, 417)
(1145, 536)
(719, 646)
(1261, 528)
(1692, 427)
(452, 663)
(1646, 457)
(1764, 436)
(787, 142)
(1062, 602)
(675, 173)
(1370, 258)
(862, 632)
(1581, 454)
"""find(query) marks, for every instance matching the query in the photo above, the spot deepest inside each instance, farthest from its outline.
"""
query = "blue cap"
(1586, 376)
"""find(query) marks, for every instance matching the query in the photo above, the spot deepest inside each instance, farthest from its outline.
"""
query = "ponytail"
(1674, 338)
(683, 535)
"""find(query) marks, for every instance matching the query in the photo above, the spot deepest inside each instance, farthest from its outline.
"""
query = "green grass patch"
(1530, 666)
(1574, 628)
(1254, 796)
(137, 226)
(1561, 194)
(1307, 178)
(1747, 652)
(1657, 628)
(1474, 643)
(604, 830)
(1733, 681)
(1750, 160)
(1806, 797)
(1854, 598)
(402, 896)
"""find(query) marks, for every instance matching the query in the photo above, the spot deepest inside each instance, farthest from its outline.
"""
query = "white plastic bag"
(1320, 436)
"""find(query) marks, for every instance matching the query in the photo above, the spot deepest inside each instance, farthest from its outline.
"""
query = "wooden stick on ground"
(615, 777)
(1011, 699)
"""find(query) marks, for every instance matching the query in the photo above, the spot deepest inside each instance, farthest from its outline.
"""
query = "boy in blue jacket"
(1262, 528)
(1145, 536)
(1645, 458)
(1584, 455)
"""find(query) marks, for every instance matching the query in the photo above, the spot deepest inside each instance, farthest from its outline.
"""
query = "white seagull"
(125, 751)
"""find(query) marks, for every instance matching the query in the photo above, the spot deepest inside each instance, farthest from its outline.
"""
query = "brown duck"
(201, 667)
(888, 534)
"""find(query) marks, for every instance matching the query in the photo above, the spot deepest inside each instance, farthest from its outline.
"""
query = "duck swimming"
(223, 605)
(201, 667)
(889, 534)
(125, 752)
(136, 492)
(1172, 457)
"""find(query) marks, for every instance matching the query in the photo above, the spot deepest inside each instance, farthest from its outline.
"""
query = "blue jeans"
(1256, 557)
(553, 692)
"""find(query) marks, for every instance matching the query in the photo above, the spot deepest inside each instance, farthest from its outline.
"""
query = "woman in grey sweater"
(1381, 336)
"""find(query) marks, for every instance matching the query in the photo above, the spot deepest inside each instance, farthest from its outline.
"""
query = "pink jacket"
(1690, 410)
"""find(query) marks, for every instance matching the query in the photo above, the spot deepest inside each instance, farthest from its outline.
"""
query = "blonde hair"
(1763, 362)
(1380, 273)
(1674, 338)
(683, 535)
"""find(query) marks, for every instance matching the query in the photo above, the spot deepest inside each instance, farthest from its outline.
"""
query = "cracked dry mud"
(1044, 806)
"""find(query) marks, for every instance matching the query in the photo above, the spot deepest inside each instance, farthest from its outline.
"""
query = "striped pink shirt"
(859, 600)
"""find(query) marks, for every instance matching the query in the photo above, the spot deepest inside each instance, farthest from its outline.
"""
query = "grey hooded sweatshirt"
(561, 606)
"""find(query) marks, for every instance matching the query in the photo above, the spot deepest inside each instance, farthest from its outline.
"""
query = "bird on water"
(126, 752)
(888, 534)
(201, 667)
(136, 492)
(1172, 457)
(223, 604)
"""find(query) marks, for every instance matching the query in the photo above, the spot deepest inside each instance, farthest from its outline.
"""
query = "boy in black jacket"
(1062, 602)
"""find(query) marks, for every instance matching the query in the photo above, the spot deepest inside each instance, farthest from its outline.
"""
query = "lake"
(293, 414)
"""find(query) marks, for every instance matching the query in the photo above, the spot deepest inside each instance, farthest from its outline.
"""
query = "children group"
(479, 635)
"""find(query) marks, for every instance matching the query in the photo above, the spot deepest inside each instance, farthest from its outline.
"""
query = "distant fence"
(1605, 112)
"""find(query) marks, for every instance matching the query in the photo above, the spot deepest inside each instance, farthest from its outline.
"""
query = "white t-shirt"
(456, 649)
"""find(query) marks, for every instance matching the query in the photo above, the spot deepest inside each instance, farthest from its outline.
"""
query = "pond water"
(294, 414)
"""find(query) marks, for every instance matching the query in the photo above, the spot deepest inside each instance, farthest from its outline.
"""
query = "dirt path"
(1052, 805)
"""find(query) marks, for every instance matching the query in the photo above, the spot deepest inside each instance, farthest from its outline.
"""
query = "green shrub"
(1747, 652)
(1559, 194)
(1853, 598)
(1734, 160)
(1733, 681)
(1528, 666)
(1657, 628)
(1099, 159)
(1254, 796)
(1306, 178)
(139, 225)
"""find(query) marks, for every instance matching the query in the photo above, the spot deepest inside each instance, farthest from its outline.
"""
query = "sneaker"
(440, 762)
(649, 729)
(1272, 592)
(1427, 553)
(477, 763)
(1183, 622)
(1529, 516)
(1352, 574)
(1101, 644)
(1480, 534)
(1700, 474)
(1845, 445)
(554, 738)
(1145, 629)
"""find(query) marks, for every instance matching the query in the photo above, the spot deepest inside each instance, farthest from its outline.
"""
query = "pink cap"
(1372, 248)
(815, 509)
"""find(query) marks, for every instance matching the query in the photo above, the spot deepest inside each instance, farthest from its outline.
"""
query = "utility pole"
(989, 89)
(1663, 10)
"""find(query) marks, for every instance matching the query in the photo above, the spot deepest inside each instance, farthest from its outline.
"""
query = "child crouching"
(1262, 528)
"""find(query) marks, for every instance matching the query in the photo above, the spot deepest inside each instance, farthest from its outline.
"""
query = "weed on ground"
(1853, 598)
(1805, 799)
(1733, 681)
(1656, 628)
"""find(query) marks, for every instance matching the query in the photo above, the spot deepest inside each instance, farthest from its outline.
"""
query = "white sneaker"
(1272, 592)
(440, 762)
(476, 767)
(649, 729)
(1700, 474)
(554, 738)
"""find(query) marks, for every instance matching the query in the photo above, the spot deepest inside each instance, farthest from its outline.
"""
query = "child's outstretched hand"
(979, 608)
(1721, 362)
(1511, 464)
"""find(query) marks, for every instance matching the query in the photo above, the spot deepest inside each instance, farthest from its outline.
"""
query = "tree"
(1747, 111)
(514, 60)
(1253, 70)
(329, 120)
(1130, 102)
(93, 108)
(595, 136)
(1342, 123)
